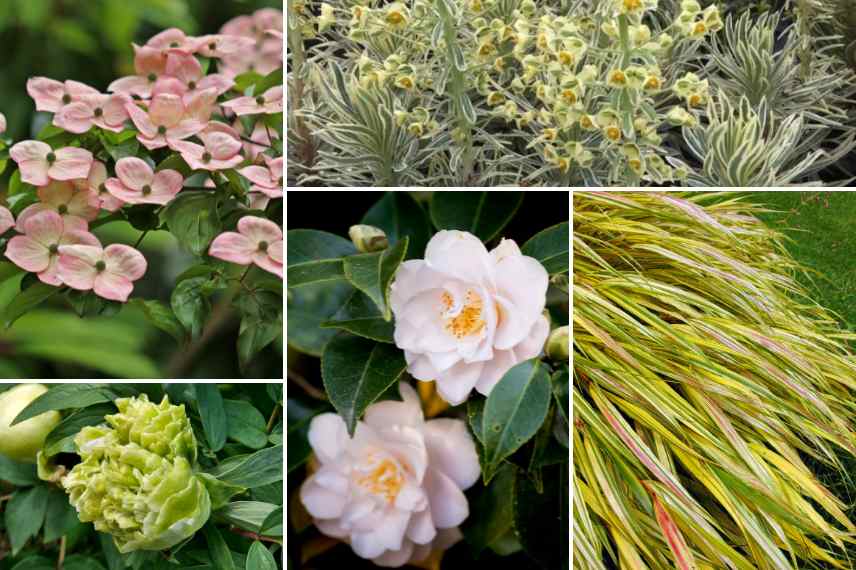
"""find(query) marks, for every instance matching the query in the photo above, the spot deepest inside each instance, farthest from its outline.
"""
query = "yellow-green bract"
(137, 481)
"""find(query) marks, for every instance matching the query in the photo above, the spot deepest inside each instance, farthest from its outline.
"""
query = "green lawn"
(822, 227)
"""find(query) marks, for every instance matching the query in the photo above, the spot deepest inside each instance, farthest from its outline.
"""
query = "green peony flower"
(136, 480)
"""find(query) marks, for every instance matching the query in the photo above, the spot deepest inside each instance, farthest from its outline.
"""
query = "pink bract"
(268, 103)
(7, 220)
(221, 150)
(76, 207)
(103, 111)
(51, 95)
(110, 272)
(267, 180)
(137, 183)
(38, 249)
(39, 163)
(94, 184)
(257, 241)
(150, 63)
(168, 119)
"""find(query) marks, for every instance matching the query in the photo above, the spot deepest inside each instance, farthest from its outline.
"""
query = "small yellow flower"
(566, 58)
(695, 100)
(550, 134)
(495, 98)
(569, 96)
(613, 133)
(616, 78)
(699, 29)
(653, 83)
(405, 82)
(396, 15)
(587, 122)
(416, 129)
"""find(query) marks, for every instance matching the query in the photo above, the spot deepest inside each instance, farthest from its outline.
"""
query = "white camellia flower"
(395, 490)
(464, 316)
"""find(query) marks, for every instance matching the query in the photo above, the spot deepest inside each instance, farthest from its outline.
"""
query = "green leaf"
(246, 80)
(246, 424)
(88, 304)
(26, 300)
(495, 512)
(80, 562)
(360, 316)
(20, 474)
(175, 162)
(25, 514)
(213, 414)
(248, 515)
(260, 558)
(16, 186)
(254, 335)
(310, 306)
(121, 149)
(356, 371)
(260, 468)
(561, 391)
(551, 248)
(161, 317)
(538, 518)
(66, 397)
(192, 219)
(515, 409)
(399, 216)
(217, 548)
(61, 437)
(273, 524)
(372, 273)
(35, 563)
(299, 416)
(190, 304)
(315, 256)
(272, 79)
(143, 217)
(219, 491)
(481, 213)
(61, 518)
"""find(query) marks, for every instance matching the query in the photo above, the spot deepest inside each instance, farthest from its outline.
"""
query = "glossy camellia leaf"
(26, 300)
(399, 215)
(492, 513)
(308, 307)
(361, 316)
(260, 558)
(213, 414)
(550, 247)
(356, 371)
(25, 514)
(314, 256)
(192, 219)
(537, 514)
(481, 213)
(298, 416)
(64, 397)
(246, 424)
(515, 409)
(372, 273)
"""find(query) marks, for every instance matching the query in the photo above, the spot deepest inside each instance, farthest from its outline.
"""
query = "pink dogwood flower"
(267, 180)
(39, 163)
(172, 40)
(94, 184)
(110, 271)
(7, 220)
(51, 95)
(77, 208)
(267, 103)
(184, 77)
(219, 45)
(260, 135)
(149, 63)
(257, 241)
(137, 183)
(2, 123)
(221, 150)
(104, 111)
(37, 250)
(167, 120)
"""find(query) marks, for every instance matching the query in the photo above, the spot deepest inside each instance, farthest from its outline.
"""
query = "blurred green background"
(90, 41)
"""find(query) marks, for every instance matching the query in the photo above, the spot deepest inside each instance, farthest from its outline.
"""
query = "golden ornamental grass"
(703, 376)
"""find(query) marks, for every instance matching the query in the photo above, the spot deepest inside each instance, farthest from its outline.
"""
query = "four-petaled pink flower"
(39, 163)
(137, 183)
(7, 220)
(51, 95)
(76, 207)
(260, 135)
(150, 63)
(104, 111)
(94, 184)
(110, 272)
(259, 241)
(268, 180)
(172, 40)
(168, 120)
(38, 249)
(221, 150)
(2, 123)
(219, 45)
(184, 77)
(267, 103)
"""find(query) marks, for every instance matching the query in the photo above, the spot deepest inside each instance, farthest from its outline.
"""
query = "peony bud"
(558, 344)
(23, 441)
(368, 239)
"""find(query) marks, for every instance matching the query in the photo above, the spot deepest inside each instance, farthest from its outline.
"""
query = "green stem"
(142, 235)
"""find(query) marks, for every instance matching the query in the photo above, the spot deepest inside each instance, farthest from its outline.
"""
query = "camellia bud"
(558, 344)
(136, 480)
(368, 238)
(23, 441)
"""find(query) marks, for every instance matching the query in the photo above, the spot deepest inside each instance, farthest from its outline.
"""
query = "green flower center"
(152, 77)
(100, 266)
(54, 249)
(98, 112)
(51, 158)
(62, 209)
(212, 46)
(66, 99)
(260, 100)
(147, 190)
(102, 188)
(174, 44)
(191, 85)
(161, 130)
(263, 246)
(206, 157)
(279, 183)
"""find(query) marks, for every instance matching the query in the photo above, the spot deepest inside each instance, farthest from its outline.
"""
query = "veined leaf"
(484, 214)
(372, 273)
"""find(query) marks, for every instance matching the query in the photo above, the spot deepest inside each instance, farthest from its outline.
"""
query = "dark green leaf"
(372, 273)
(192, 219)
(25, 514)
(20, 474)
(299, 416)
(248, 515)
(88, 304)
(61, 438)
(481, 213)
(515, 409)
(218, 549)
(35, 563)
(246, 80)
(260, 558)
(550, 247)
(561, 393)
(255, 334)
(260, 468)
(190, 304)
(399, 215)
(175, 162)
(66, 397)
(161, 317)
(272, 79)
(274, 392)
(246, 424)
(213, 414)
(26, 300)
(308, 307)
(219, 491)
(61, 517)
(315, 256)
(273, 524)
(18, 187)
(356, 371)
(538, 518)
(495, 512)
(123, 149)
(144, 217)
(80, 562)
(360, 316)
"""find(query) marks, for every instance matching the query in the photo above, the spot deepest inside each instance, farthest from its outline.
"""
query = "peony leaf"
(260, 558)
(213, 414)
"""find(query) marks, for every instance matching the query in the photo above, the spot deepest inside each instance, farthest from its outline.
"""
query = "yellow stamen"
(469, 320)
